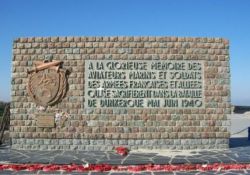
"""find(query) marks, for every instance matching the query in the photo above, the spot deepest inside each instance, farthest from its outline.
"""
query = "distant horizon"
(227, 19)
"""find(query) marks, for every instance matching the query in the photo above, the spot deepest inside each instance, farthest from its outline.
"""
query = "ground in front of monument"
(235, 160)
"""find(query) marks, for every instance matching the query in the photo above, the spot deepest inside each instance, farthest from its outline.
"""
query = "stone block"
(102, 128)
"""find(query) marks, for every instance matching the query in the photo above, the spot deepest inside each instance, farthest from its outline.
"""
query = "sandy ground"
(239, 124)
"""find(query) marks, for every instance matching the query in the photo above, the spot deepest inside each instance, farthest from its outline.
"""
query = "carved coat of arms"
(47, 83)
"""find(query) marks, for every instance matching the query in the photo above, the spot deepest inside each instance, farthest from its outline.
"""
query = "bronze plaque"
(45, 120)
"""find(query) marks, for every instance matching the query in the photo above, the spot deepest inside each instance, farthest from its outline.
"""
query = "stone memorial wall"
(96, 93)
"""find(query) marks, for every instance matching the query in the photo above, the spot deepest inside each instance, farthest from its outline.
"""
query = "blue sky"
(205, 18)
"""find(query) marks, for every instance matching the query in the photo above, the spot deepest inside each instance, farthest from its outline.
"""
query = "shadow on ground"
(239, 142)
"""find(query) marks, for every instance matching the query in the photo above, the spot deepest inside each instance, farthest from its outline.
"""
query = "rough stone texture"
(101, 128)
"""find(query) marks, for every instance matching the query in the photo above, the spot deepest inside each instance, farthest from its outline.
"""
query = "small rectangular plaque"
(45, 120)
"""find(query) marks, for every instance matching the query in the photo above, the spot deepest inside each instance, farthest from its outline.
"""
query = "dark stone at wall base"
(18, 144)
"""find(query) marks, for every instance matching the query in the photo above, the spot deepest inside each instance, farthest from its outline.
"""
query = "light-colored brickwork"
(105, 128)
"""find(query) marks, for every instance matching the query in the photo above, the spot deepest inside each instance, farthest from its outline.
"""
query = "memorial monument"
(96, 93)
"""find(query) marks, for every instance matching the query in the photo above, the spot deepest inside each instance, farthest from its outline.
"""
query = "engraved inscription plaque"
(144, 84)
(45, 120)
